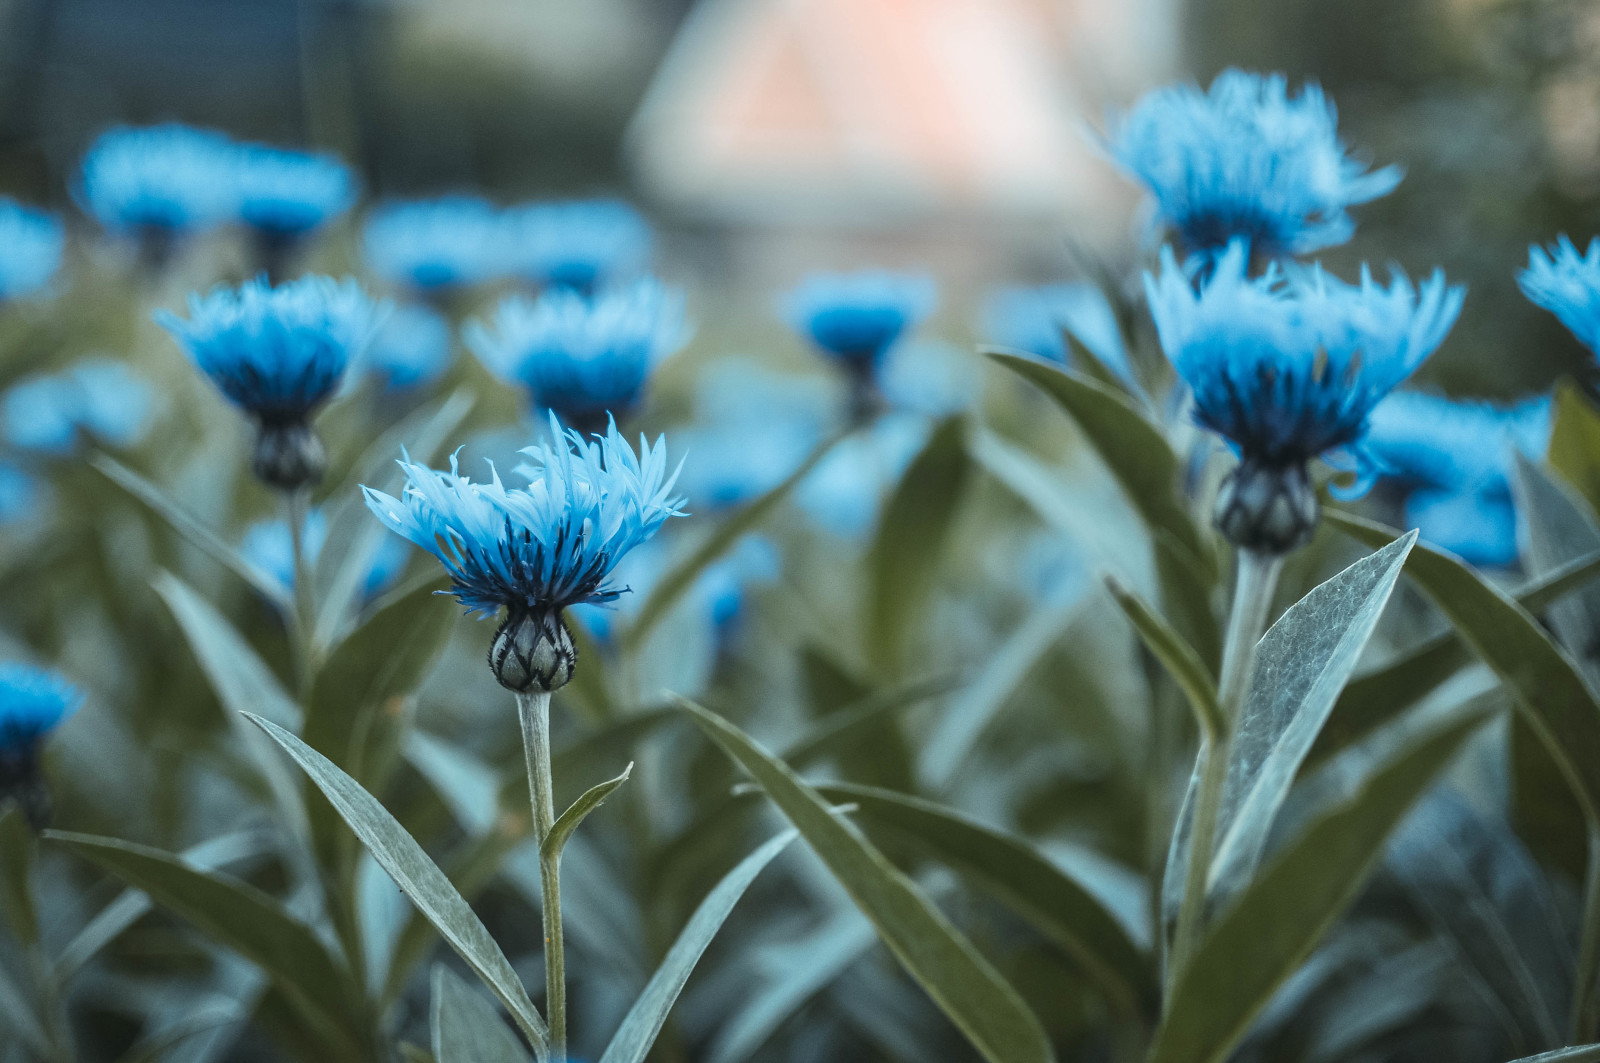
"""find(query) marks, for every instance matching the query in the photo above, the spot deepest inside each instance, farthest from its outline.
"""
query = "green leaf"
(575, 814)
(852, 720)
(969, 990)
(1576, 1054)
(242, 918)
(1277, 921)
(1176, 656)
(16, 867)
(188, 526)
(682, 576)
(1133, 447)
(20, 1019)
(466, 1027)
(1575, 442)
(158, 1045)
(1561, 528)
(428, 887)
(1302, 663)
(1550, 691)
(644, 1020)
(903, 560)
(1025, 880)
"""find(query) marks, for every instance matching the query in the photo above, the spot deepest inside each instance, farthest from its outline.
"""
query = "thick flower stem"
(534, 710)
(1585, 1023)
(1254, 584)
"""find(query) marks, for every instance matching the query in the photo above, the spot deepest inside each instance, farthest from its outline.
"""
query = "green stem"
(298, 504)
(1584, 1019)
(1254, 584)
(57, 1029)
(534, 711)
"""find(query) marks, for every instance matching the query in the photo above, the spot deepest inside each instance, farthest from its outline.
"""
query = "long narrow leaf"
(1176, 656)
(466, 1027)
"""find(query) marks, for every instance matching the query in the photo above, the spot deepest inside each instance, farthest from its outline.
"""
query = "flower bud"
(1271, 509)
(288, 455)
(533, 651)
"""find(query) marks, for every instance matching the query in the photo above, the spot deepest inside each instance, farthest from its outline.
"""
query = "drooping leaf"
(242, 918)
(639, 1029)
(1279, 918)
(1176, 656)
(969, 990)
(579, 810)
(466, 1027)
(903, 560)
(1025, 880)
(1550, 692)
(428, 887)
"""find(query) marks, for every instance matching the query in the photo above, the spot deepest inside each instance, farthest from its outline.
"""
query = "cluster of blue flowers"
(97, 399)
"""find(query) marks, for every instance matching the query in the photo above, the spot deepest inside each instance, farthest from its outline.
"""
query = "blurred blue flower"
(1568, 285)
(1288, 366)
(411, 349)
(724, 587)
(1033, 320)
(581, 357)
(33, 702)
(1246, 160)
(100, 398)
(20, 493)
(937, 379)
(30, 249)
(843, 493)
(166, 177)
(1453, 460)
(545, 546)
(268, 545)
(857, 317)
(579, 244)
(276, 352)
(288, 193)
(437, 243)
(752, 428)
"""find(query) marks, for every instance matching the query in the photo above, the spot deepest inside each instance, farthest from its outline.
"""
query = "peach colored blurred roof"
(883, 109)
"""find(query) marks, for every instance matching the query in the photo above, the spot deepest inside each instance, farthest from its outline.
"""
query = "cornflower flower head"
(269, 546)
(1039, 319)
(166, 179)
(1287, 367)
(1452, 462)
(537, 550)
(98, 398)
(1246, 160)
(30, 249)
(580, 244)
(855, 318)
(1567, 284)
(33, 703)
(411, 349)
(585, 359)
(285, 194)
(436, 244)
(278, 354)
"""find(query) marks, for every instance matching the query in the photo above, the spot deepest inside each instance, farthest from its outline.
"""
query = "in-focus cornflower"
(1038, 321)
(98, 398)
(536, 550)
(1567, 284)
(586, 359)
(437, 244)
(1246, 161)
(278, 354)
(579, 244)
(285, 195)
(411, 349)
(268, 545)
(33, 702)
(159, 182)
(1287, 367)
(30, 249)
(857, 317)
(1452, 463)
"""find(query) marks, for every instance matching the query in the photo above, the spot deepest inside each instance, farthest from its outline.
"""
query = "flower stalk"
(533, 708)
(298, 505)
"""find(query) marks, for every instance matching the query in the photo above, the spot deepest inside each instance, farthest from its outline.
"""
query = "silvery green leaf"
(633, 1039)
(1561, 528)
(1576, 1054)
(466, 1026)
(578, 811)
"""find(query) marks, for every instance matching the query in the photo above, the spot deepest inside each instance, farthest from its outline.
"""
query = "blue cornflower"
(1568, 285)
(1036, 320)
(99, 398)
(279, 352)
(411, 349)
(1287, 367)
(437, 243)
(857, 317)
(268, 545)
(1246, 161)
(20, 494)
(33, 702)
(578, 244)
(539, 549)
(285, 194)
(583, 358)
(725, 586)
(1452, 461)
(169, 178)
(30, 249)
